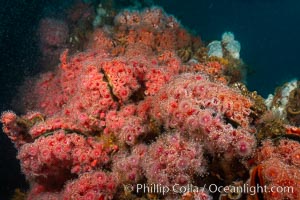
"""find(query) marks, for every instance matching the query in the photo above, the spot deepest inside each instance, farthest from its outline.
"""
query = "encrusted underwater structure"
(130, 98)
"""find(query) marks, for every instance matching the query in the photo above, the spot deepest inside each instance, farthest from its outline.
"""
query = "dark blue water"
(268, 31)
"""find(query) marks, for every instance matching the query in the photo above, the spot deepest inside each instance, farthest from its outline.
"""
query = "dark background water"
(269, 32)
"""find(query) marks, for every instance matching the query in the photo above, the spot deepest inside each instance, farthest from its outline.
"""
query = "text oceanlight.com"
(212, 188)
